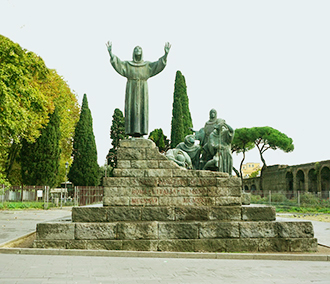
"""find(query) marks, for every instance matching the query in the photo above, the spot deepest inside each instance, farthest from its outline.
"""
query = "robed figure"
(137, 73)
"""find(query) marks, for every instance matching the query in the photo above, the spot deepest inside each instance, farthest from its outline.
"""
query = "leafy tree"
(242, 142)
(84, 170)
(269, 138)
(24, 108)
(29, 92)
(117, 133)
(40, 160)
(181, 118)
(160, 139)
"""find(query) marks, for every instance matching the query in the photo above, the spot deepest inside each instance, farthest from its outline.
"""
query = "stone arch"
(300, 180)
(325, 179)
(246, 188)
(289, 181)
(312, 180)
(253, 187)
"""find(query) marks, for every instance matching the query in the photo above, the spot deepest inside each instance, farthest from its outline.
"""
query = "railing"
(291, 198)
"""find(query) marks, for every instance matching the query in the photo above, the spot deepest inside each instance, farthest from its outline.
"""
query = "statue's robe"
(136, 97)
(220, 147)
(193, 152)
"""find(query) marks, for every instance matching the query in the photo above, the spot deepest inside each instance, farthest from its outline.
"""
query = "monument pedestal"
(152, 204)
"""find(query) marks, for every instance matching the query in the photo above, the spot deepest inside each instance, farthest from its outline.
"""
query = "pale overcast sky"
(258, 63)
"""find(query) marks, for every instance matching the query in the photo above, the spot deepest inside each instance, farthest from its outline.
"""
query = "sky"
(258, 63)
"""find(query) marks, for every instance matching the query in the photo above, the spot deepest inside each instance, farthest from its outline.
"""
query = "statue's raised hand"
(167, 48)
(109, 47)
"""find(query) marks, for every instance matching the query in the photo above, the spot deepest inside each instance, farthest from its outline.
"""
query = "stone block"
(117, 191)
(242, 245)
(116, 201)
(295, 229)
(172, 182)
(258, 213)
(96, 231)
(76, 244)
(121, 181)
(218, 191)
(50, 244)
(216, 230)
(190, 191)
(167, 164)
(225, 213)
(157, 214)
(211, 245)
(198, 201)
(131, 154)
(153, 154)
(235, 191)
(246, 198)
(178, 230)
(177, 245)
(89, 214)
(211, 174)
(123, 164)
(228, 201)
(202, 181)
(146, 181)
(182, 172)
(170, 201)
(55, 231)
(144, 164)
(229, 182)
(191, 213)
(120, 213)
(137, 230)
(158, 173)
(140, 245)
(303, 244)
(273, 245)
(104, 245)
(129, 173)
(143, 201)
(258, 230)
(150, 191)
(137, 143)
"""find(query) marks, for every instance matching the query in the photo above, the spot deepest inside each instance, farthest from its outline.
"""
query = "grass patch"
(23, 205)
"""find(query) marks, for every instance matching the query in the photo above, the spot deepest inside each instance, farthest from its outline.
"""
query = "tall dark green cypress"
(84, 170)
(117, 133)
(40, 160)
(181, 118)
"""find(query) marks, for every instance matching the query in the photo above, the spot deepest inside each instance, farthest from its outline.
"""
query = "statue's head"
(189, 140)
(213, 114)
(137, 54)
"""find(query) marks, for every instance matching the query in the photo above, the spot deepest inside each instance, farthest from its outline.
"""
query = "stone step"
(179, 236)
(173, 213)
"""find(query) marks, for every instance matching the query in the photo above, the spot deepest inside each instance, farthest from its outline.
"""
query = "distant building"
(249, 168)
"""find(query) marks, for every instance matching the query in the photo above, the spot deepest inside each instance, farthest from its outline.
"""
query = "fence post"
(298, 198)
(270, 197)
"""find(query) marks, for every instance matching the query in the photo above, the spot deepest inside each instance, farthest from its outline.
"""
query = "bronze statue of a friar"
(137, 73)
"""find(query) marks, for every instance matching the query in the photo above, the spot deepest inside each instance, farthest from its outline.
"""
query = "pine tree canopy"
(84, 170)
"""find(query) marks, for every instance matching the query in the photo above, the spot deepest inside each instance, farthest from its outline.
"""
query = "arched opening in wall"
(325, 181)
(312, 181)
(253, 187)
(289, 184)
(300, 177)
(246, 188)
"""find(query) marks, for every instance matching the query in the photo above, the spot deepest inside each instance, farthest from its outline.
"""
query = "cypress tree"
(160, 139)
(181, 118)
(84, 170)
(40, 160)
(117, 133)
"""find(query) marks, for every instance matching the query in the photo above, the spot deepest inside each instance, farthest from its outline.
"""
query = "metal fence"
(81, 195)
(291, 198)
(85, 195)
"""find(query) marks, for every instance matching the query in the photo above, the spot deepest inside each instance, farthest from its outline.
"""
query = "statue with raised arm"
(137, 73)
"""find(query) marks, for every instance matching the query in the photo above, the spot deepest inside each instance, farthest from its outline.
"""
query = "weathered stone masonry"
(153, 204)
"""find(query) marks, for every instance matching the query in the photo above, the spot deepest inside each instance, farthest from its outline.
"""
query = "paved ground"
(82, 269)
(39, 269)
